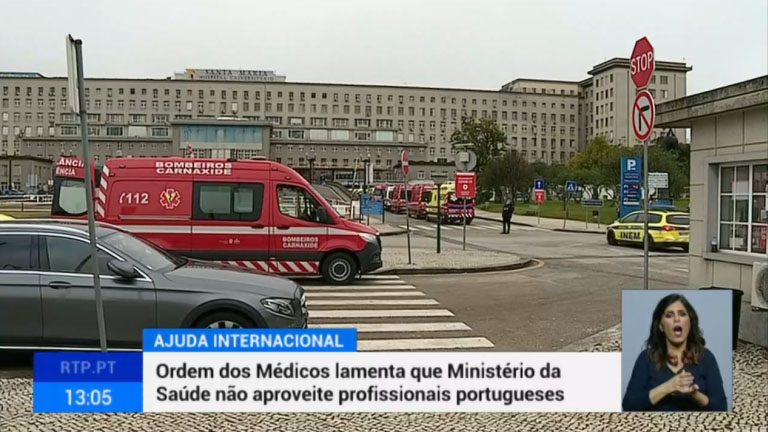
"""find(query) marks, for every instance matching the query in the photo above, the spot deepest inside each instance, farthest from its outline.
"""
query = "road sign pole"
(565, 192)
(464, 242)
(89, 196)
(645, 212)
(407, 219)
(438, 216)
(538, 213)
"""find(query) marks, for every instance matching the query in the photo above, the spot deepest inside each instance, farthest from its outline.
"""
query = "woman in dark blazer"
(675, 372)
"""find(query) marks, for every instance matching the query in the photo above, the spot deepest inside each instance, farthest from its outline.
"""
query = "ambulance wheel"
(469, 221)
(426, 217)
(339, 269)
(220, 320)
(612, 238)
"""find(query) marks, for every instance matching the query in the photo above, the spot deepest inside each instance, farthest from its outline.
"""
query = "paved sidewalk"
(386, 229)
(450, 260)
(547, 223)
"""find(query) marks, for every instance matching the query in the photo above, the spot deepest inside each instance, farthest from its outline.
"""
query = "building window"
(159, 132)
(68, 130)
(114, 131)
(743, 222)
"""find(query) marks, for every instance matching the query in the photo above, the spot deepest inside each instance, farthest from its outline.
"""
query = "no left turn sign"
(643, 115)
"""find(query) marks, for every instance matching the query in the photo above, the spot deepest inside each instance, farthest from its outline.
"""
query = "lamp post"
(366, 163)
(311, 161)
(439, 179)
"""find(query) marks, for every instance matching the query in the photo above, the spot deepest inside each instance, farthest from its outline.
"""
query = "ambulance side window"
(228, 201)
(295, 202)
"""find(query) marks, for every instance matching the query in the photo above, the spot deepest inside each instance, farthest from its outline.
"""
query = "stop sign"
(642, 64)
(404, 161)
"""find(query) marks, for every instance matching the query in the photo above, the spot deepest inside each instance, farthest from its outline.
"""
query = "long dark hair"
(657, 340)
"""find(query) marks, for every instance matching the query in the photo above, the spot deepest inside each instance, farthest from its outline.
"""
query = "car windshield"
(145, 253)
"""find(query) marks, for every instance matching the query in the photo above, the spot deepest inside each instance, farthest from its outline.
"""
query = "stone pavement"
(547, 223)
(749, 414)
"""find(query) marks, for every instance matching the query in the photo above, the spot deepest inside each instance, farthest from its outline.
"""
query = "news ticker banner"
(318, 370)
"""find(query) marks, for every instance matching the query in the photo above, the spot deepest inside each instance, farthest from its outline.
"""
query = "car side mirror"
(123, 269)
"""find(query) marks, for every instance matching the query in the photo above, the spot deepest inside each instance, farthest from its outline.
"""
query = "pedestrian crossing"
(486, 226)
(389, 315)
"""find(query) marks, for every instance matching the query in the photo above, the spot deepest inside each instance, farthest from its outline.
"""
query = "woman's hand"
(681, 383)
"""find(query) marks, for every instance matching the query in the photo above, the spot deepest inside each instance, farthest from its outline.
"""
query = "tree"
(598, 166)
(507, 174)
(486, 136)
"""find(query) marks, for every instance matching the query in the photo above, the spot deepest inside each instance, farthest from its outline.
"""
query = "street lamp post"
(311, 161)
(366, 163)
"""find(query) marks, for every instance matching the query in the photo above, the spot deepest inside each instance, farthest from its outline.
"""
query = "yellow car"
(4, 217)
(666, 228)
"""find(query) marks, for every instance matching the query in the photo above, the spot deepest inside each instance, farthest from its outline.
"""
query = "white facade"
(729, 190)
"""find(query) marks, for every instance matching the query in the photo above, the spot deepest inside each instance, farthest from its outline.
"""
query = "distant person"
(506, 216)
(676, 372)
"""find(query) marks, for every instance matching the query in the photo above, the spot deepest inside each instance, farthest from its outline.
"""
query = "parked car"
(47, 294)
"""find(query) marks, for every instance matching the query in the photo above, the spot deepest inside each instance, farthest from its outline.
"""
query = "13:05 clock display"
(90, 397)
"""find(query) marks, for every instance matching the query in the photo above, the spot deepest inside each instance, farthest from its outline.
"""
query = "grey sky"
(467, 44)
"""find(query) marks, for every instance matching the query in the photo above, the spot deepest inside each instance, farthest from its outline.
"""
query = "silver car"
(47, 297)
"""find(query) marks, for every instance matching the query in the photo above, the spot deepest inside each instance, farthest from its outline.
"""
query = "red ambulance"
(257, 214)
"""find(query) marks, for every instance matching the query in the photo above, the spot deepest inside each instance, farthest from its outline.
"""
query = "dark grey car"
(47, 296)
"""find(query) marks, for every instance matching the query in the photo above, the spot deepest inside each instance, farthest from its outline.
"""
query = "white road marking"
(370, 302)
(389, 282)
(380, 277)
(413, 228)
(354, 287)
(399, 327)
(410, 293)
(312, 288)
(380, 313)
(426, 227)
(423, 344)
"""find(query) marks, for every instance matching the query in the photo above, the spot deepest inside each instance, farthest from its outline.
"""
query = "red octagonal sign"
(642, 63)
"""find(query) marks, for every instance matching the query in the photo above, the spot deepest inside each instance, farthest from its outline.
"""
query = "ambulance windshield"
(69, 197)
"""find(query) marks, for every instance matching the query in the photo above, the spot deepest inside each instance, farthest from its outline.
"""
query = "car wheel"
(685, 248)
(339, 269)
(612, 238)
(651, 244)
(224, 320)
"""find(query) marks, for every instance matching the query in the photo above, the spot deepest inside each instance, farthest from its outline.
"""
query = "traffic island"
(426, 261)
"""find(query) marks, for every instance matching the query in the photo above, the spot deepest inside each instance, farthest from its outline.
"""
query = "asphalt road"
(574, 291)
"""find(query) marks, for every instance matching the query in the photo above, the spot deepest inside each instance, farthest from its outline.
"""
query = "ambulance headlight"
(278, 306)
(368, 237)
